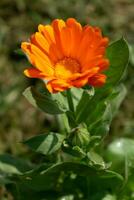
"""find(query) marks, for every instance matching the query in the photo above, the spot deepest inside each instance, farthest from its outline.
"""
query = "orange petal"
(76, 34)
(38, 40)
(95, 49)
(103, 64)
(26, 47)
(42, 61)
(58, 25)
(33, 73)
(57, 85)
(86, 41)
(48, 32)
(97, 80)
(92, 62)
(80, 82)
(83, 79)
(65, 41)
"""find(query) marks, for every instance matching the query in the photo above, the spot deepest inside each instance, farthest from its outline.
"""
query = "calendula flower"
(66, 55)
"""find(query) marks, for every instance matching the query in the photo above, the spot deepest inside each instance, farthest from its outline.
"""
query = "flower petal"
(33, 73)
(76, 34)
(97, 80)
(58, 25)
(57, 85)
(38, 40)
(83, 79)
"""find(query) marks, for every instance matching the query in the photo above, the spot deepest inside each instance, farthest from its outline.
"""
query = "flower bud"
(79, 137)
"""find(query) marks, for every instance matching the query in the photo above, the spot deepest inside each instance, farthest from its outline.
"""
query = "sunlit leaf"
(45, 143)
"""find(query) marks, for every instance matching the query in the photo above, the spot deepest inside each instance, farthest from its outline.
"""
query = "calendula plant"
(82, 85)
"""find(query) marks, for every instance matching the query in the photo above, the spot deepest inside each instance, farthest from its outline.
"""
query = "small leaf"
(96, 159)
(46, 102)
(45, 143)
(74, 153)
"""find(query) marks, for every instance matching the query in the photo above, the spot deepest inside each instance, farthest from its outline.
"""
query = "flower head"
(66, 55)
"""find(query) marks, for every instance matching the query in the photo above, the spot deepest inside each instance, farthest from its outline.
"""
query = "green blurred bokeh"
(18, 20)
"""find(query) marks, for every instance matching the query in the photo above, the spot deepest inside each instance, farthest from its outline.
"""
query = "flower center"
(66, 68)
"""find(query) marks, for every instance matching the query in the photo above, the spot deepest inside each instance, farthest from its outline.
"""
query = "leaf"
(96, 159)
(82, 110)
(48, 179)
(46, 102)
(11, 165)
(45, 143)
(91, 110)
(118, 55)
(74, 153)
(76, 95)
(4, 179)
(119, 94)
(96, 113)
(101, 117)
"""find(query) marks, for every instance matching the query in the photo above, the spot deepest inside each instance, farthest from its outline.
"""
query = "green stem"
(70, 100)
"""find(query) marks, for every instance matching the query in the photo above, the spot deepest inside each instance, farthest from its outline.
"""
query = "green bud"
(79, 137)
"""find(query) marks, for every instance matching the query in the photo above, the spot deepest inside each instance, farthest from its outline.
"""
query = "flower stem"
(70, 100)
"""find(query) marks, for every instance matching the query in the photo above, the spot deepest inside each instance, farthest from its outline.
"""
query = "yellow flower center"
(66, 68)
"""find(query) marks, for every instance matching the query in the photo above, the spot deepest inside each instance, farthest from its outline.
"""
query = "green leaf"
(96, 159)
(74, 153)
(82, 110)
(116, 98)
(100, 117)
(11, 165)
(118, 55)
(45, 143)
(76, 95)
(47, 179)
(91, 109)
(96, 113)
(52, 104)
(4, 179)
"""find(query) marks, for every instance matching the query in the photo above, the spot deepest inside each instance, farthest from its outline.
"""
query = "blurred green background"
(18, 20)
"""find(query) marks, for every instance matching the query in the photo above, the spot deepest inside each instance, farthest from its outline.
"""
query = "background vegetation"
(18, 20)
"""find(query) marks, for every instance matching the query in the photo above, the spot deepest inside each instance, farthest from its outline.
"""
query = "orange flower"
(66, 55)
